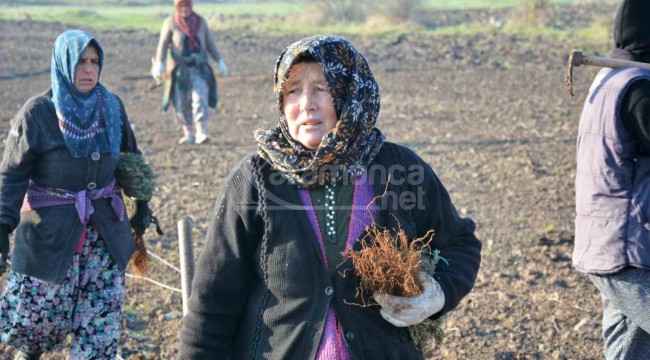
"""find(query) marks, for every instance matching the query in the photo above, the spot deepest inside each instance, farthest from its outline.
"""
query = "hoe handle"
(577, 58)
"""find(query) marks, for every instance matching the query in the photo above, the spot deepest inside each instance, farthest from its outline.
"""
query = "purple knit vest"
(332, 345)
(612, 224)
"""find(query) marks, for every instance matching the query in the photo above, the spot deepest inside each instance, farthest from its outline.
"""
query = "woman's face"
(184, 9)
(307, 104)
(86, 72)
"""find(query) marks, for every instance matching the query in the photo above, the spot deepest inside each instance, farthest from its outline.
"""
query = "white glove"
(403, 311)
(223, 69)
(157, 69)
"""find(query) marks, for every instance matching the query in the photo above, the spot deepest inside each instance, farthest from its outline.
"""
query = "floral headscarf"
(347, 149)
(90, 122)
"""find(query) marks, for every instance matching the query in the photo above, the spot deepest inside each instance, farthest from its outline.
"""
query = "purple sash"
(40, 197)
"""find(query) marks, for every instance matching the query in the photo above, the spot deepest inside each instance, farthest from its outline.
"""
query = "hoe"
(577, 58)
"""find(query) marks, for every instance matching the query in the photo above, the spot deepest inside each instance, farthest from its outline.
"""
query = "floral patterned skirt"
(37, 316)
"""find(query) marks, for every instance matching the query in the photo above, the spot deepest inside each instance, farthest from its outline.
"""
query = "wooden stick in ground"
(187, 259)
(577, 58)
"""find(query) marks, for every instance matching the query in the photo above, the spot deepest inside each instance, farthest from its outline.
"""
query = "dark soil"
(488, 112)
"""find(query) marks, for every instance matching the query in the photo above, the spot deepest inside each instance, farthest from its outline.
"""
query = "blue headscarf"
(90, 122)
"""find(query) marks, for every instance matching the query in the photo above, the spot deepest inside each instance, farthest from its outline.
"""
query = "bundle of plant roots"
(139, 260)
(390, 263)
(138, 182)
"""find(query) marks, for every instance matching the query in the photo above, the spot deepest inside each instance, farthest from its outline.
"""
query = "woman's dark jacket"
(45, 239)
(261, 290)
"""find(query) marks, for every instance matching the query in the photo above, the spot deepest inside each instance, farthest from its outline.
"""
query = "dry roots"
(139, 261)
(390, 264)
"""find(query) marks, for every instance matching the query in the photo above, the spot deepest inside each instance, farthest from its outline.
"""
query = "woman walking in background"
(273, 280)
(58, 194)
(182, 61)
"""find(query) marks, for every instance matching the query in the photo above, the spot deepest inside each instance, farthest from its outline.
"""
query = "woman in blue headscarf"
(59, 196)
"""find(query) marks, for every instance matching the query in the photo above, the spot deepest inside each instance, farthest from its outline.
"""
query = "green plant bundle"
(427, 331)
(135, 176)
(429, 259)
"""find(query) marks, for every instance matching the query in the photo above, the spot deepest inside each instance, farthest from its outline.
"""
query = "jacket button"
(329, 291)
(647, 226)
(92, 186)
(95, 156)
(349, 335)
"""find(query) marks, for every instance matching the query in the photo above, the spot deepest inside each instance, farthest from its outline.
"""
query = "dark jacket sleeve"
(18, 160)
(128, 138)
(635, 114)
(223, 271)
(454, 237)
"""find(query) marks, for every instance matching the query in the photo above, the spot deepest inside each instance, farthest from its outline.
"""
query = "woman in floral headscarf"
(59, 195)
(273, 280)
(182, 59)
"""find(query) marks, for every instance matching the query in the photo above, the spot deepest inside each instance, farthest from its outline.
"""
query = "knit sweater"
(261, 289)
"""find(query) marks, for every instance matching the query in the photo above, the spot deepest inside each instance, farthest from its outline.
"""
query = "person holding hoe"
(612, 224)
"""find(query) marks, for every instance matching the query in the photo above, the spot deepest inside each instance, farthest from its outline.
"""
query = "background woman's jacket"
(263, 291)
(45, 239)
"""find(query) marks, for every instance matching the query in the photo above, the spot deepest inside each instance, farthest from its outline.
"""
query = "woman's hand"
(223, 69)
(157, 70)
(142, 218)
(403, 311)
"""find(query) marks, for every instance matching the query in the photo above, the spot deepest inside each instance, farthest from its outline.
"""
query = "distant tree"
(528, 13)
(536, 8)
(334, 11)
(400, 10)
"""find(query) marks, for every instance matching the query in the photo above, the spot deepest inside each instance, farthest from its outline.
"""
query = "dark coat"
(261, 290)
